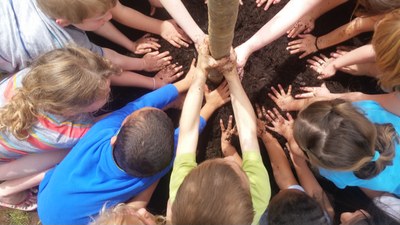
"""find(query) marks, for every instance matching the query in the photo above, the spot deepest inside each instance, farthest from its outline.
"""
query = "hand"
(268, 3)
(282, 99)
(226, 135)
(204, 59)
(173, 34)
(262, 124)
(310, 92)
(155, 61)
(227, 65)
(323, 65)
(168, 75)
(304, 25)
(145, 45)
(219, 96)
(242, 55)
(279, 124)
(305, 44)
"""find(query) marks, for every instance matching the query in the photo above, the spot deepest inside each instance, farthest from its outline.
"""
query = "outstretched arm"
(166, 29)
(243, 111)
(180, 14)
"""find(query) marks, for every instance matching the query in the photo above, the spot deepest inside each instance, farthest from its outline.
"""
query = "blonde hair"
(122, 214)
(386, 42)
(375, 7)
(335, 136)
(61, 80)
(212, 194)
(75, 11)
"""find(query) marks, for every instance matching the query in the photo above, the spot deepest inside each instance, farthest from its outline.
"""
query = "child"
(36, 26)
(120, 157)
(217, 191)
(351, 144)
(44, 109)
(134, 213)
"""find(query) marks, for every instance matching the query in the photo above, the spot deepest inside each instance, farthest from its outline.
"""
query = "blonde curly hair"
(59, 81)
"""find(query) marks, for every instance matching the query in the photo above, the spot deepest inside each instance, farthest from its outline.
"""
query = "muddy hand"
(155, 61)
(168, 75)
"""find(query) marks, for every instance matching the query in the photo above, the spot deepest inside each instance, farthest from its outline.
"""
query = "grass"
(17, 217)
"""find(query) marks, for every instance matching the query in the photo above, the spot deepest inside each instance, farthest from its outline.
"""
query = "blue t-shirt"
(389, 179)
(88, 177)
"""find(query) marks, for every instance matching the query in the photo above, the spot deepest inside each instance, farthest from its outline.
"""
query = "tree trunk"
(222, 15)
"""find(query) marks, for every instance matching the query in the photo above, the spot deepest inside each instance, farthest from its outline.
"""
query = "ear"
(63, 22)
(113, 140)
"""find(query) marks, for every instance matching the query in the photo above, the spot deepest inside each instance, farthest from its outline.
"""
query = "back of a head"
(387, 47)
(75, 11)
(212, 194)
(61, 80)
(376, 7)
(145, 143)
(336, 136)
(120, 214)
(294, 207)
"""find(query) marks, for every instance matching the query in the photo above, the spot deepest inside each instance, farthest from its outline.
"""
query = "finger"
(289, 91)
(221, 124)
(258, 111)
(269, 2)
(318, 59)
(264, 113)
(281, 90)
(230, 123)
(278, 115)
(175, 77)
(292, 52)
(163, 55)
(276, 1)
(173, 43)
(304, 55)
(295, 42)
(305, 95)
(324, 57)
(276, 93)
(289, 117)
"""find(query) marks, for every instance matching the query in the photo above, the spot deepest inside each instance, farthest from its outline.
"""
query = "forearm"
(244, 114)
(325, 6)
(189, 122)
(280, 23)
(30, 164)
(280, 165)
(132, 79)
(363, 54)
(347, 31)
(125, 62)
(180, 14)
(134, 19)
(141, 200)
(110, 32)
(207, 111)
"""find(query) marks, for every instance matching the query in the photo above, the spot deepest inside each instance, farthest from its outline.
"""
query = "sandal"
(29, 203)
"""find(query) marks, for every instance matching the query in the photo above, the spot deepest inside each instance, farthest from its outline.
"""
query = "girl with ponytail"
(352, 144)
(45, 110)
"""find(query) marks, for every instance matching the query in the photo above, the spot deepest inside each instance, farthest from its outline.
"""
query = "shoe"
(28, 204)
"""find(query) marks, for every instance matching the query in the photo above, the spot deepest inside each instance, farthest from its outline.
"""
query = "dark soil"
(268, 67)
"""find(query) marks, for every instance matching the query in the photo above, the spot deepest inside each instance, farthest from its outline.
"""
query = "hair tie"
(376, 156)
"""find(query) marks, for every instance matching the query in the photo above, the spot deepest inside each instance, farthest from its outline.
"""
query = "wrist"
(316, 44)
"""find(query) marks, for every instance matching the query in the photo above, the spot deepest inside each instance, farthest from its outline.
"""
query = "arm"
(143, 198)
(309, 44)
(280, 165)
(166, 29)
(178, 11)
(243, 111)
(355, 27)
(276, 27)
(152, 61)
(110, 32)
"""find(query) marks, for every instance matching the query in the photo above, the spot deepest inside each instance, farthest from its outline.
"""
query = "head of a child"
(376, 7)
(387, 47)
(123, 214)
(144, 145)
(87, 15)
(66, 82)
(215, 192)
(295, 207)
(334, 135)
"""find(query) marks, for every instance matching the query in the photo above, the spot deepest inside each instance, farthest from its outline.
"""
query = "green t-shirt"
(253, 166)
